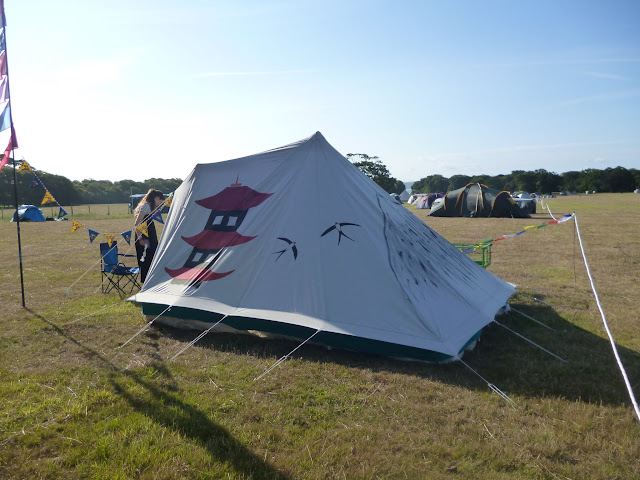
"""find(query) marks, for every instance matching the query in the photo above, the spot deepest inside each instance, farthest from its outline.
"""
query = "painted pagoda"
(228, 210)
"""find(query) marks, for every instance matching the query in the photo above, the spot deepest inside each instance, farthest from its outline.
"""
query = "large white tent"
(298, 240)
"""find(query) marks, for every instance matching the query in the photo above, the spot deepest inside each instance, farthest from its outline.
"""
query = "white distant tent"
(298, 240)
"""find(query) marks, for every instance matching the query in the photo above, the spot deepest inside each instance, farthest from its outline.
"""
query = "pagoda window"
(225, 220)
(198, 257)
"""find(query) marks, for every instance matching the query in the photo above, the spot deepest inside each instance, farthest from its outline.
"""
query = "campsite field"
(75, 407)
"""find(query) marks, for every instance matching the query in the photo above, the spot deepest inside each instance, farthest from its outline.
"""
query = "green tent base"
(327, 339)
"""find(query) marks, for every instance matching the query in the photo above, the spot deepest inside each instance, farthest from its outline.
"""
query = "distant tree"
(431, 184)
(547, 182)
(458, 181)
(618, 179)
(377, 171)
(571, 181)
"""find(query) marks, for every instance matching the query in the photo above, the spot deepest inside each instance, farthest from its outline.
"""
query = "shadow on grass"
(163, 405)
(511, 363)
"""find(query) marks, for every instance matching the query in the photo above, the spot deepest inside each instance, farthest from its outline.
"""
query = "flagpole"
(13, 154)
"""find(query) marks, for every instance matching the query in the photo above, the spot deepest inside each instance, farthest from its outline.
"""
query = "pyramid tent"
(478, 200)
(298, 240)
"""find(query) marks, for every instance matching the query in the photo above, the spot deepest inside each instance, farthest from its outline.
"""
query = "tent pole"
(15, 196)
(13, 144)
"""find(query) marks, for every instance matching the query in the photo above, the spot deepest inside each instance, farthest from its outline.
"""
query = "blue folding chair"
(115, 274)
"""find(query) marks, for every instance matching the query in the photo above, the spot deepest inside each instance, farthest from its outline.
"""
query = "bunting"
(527, 229)
(127, 236)
(25, 167)
(110, 238)
(158, 217)
(48, 198)
(36, 183)
(142, 228)
(75, 225)
(92, 235)
(62, 213)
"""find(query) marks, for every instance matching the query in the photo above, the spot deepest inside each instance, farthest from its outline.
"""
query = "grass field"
(75, 407)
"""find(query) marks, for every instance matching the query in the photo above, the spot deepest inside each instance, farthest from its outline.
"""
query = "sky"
(138, 89)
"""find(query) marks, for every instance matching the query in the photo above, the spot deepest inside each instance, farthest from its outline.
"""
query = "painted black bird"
(338, 227)
(294, 249)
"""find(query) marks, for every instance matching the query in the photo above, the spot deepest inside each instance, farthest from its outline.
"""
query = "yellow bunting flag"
(110, 238)
(142, 228)
(168, 201)
(531, 227)
(75, 226)
(48, 198)
(25, 167)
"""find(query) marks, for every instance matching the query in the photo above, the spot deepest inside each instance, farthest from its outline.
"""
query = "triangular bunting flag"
(62, 213)
(48, 198)
(92, 235)
(110, 238)
(127, 236)
(168, 201)
(25, 167)
(36, 183)
(158, 217)
(142, 228)
(75, 225)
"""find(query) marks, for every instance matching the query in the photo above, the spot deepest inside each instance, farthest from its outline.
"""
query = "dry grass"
(75, 407)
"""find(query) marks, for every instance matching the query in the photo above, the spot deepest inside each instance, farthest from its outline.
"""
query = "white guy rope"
(489, 384)
(533, 319)
(531, 342)
(145, 327)
(606, 325)
(285, 357)
(195, 340)
(549, 210)
(97, 311)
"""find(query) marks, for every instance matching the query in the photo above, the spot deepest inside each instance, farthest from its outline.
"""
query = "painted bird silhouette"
(338, 227)
(294, 249)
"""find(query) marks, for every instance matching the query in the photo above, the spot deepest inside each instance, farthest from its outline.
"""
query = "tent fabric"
(300, 239)
(28, 213)
(478, 200)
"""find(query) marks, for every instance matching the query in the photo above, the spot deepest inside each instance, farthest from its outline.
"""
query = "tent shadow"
(161, 403)
(590, 373)
(165, 407)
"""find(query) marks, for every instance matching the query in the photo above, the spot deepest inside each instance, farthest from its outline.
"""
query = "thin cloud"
(581, 61)
(252, 74)
(607, 76)
(602, 97)
(515, 148)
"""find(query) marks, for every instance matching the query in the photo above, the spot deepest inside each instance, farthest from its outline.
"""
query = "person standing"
(146, 244)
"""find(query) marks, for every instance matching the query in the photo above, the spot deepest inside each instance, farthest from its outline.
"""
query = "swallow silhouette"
(294, 249)
(338, 227)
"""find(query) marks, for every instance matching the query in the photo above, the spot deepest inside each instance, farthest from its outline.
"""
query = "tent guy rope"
(145, 327)
(197, 339)
(285, 357)
(493, 388)
(606, 325)
(531, 342)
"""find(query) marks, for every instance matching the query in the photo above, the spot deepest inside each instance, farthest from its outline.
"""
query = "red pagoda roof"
(234, 198)
(215, 240)
(195, 274)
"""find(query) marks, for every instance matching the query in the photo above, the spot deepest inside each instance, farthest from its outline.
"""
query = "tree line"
(68, 192)
(618, 179)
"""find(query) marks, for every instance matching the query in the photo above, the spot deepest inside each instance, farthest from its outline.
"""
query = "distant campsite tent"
(396, 197)
(28, 213)
(404, 196)
(477, 200)
(297, 241)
